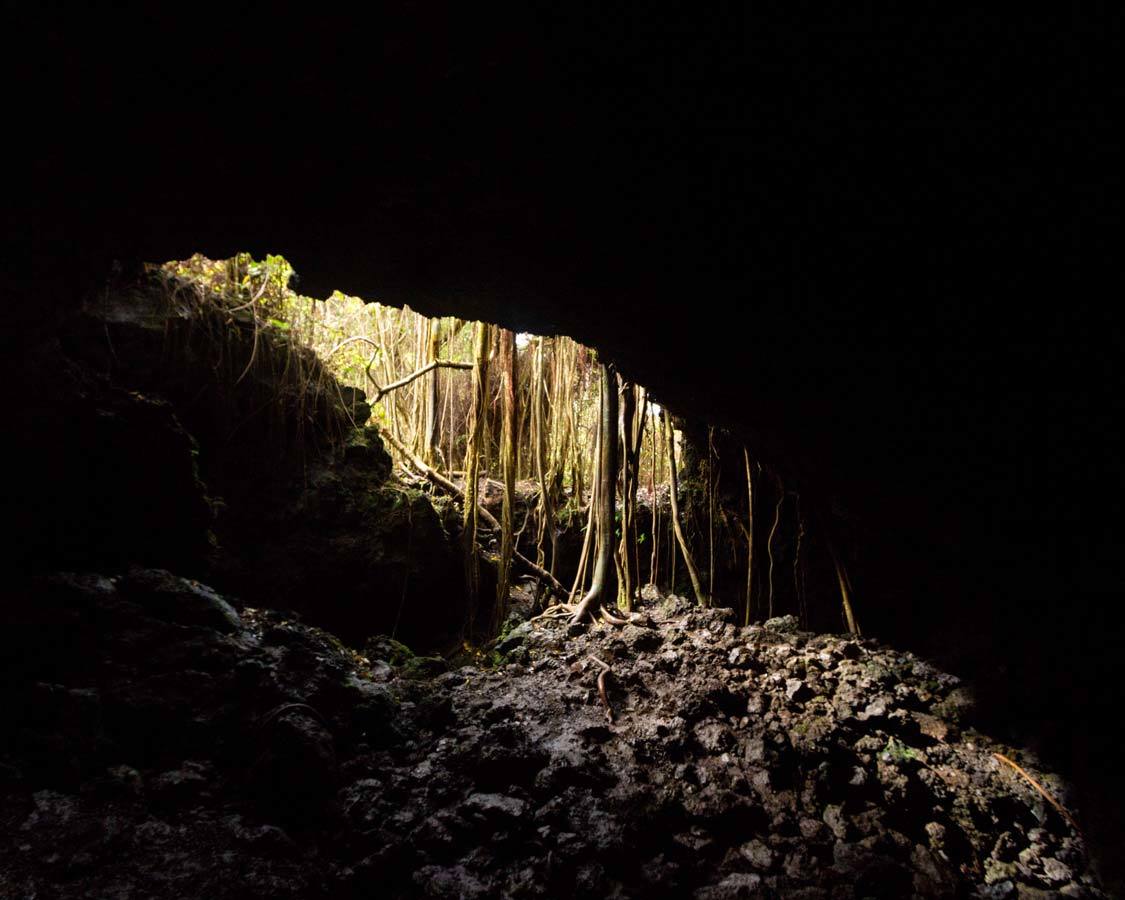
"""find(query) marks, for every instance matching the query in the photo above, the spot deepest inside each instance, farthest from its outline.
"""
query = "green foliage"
(230, 321)
(240, 281)
(258, 291)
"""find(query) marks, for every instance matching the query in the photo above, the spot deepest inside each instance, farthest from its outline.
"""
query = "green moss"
(874, 670)
(388, 649)
(899, 752)
(421, 667)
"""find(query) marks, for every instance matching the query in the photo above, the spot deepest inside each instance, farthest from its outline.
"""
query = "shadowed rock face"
(838, 237)
(132, 447)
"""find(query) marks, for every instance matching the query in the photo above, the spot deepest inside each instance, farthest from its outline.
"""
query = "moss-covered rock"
(420, 667)
(387, 649)
(364, 448)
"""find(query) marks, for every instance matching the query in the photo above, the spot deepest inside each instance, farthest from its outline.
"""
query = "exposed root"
(570, 611)
(601, 687)
(558, 611)
(587, 609)
(610, 619)
(1046, 796)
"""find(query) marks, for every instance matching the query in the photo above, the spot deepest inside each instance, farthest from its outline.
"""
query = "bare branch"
(413, 376)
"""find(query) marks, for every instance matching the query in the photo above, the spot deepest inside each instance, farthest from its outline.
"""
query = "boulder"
(179, 600)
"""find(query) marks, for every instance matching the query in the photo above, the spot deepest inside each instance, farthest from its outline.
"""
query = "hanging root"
(601, 687)
(1035, 784)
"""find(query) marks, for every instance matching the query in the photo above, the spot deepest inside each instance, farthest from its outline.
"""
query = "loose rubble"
(159, 744)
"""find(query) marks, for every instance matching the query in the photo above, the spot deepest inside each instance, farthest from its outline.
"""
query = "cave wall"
(854, 241)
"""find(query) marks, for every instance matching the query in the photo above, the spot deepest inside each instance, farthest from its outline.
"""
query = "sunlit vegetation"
(538, 423)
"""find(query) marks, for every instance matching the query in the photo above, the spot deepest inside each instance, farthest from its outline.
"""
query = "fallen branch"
(601, 687)
(1046, 796)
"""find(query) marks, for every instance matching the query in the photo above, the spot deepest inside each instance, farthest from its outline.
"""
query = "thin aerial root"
(1046, 796)
(601, 687)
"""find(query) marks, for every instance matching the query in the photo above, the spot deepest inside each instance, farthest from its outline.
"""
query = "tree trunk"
(628, 546)
(508, 465)
(749, 536)
(604, 587)
(541, 428)
(654, 472)
(431, 423)
(472, 470)
(591, 525)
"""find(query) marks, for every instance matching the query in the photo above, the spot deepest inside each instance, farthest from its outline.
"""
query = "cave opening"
(274, 383)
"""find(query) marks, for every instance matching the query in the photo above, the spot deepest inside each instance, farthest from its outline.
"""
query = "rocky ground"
(159, 742)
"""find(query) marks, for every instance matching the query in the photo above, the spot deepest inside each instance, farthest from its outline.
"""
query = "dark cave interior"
(855, 247)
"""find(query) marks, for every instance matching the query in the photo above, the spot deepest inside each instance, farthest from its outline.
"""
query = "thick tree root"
(601, 687)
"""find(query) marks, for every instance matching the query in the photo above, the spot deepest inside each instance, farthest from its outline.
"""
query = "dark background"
(871, 244)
